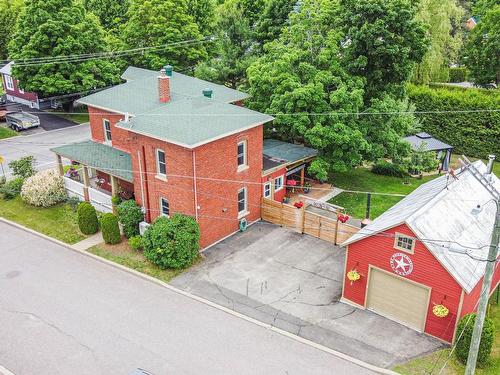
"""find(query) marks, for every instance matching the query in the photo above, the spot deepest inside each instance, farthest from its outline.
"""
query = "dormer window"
(404, 243)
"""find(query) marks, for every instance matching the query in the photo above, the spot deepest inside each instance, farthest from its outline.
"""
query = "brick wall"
(377, 250)
(280, 194)
(120, 138)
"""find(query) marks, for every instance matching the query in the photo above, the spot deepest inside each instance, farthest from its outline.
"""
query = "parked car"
(22, 120)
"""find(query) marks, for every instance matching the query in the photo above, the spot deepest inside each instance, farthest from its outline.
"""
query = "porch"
(96, 174)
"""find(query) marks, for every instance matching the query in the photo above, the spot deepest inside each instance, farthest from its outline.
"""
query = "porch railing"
(101, 201)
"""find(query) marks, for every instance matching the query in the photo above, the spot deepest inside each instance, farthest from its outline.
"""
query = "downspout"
(148, 212)
(195, 187)
(142, 182)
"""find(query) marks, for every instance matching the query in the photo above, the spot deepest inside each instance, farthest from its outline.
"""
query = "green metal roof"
(99, 156)
(287, 152)
(188, 119)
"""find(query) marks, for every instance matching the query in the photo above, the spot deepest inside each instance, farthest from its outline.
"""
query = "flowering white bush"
(44, 189)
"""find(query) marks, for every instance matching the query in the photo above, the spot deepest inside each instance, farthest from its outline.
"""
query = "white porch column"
(86, 183)
(60, 165)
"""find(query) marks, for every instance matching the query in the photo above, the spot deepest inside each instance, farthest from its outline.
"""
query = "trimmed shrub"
(44, 189)
(172, 243)
(110, 229)
(389, 169)
(466, 325)
(87, 218)
(11, 188)
(458, 75)
(130, 215)
(135, 242)
(23, 167)
(471, 133)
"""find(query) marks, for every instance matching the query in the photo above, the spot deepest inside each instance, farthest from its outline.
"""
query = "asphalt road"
(64, 313)
(39, 145)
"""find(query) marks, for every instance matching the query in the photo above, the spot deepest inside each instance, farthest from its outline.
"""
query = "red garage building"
(426, 251)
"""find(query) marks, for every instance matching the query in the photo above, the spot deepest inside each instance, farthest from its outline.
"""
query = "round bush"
(44, 189)
(172, 243)
(12, 188)
(130, 215)
(87, 218)
(135, 242)
(466, 325)
(110, 229)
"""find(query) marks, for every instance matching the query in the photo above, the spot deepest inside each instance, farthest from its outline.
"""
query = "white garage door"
(397, 299)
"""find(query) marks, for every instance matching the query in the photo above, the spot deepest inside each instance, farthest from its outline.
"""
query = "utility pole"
(485, 289)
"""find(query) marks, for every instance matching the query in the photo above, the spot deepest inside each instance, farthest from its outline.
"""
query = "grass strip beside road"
(122, 254)
(59, 221)
(7, 133)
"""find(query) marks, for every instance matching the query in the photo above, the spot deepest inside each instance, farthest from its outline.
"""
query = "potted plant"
(286, 199)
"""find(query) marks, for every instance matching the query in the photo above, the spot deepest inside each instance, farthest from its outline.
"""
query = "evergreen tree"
(383, 41)
(9, 12)
(50, 28)
(232, 52)
(168, 25)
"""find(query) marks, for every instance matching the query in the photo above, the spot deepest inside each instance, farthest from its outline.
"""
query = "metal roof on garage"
(431, 144)
(99, 156)
(442, 209)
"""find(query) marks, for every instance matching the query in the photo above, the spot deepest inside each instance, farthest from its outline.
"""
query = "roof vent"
(169, 69)
(207, 93)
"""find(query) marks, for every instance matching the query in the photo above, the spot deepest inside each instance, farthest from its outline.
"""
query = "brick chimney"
(163, 87)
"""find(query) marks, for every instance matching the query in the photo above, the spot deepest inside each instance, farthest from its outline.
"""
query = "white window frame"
(9, 82)
(267, 185)
(243, 212)
(160, 174)
(106, 138)
(161, 207)
(282, 184)
(21, 91)
(245, 158)
(404, 237)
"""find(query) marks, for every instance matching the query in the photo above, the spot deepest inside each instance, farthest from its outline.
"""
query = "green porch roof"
(287, 152)
(99, 156)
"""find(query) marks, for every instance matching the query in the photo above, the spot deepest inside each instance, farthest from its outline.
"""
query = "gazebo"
(426, 142)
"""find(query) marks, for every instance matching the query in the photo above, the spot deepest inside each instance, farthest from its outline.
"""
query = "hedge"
(466, 324)
(110, 229)
(87, 218)
(389, 169)
(172, 243)
(458, 75)
(474, 133)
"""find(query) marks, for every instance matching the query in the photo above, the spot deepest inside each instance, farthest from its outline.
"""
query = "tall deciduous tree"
(443, 18)
(9, 12)
(383, 41)
(232, 48)
(111, 13)
(49, 28)
(482, 49)
(272, 20)
(167, 25)
(301, 82)
(203, 13)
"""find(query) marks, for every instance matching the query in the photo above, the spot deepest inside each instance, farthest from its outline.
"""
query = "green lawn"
(7, 133)
(362, 179)
(59, 221)
(124, 255)
(435, 361)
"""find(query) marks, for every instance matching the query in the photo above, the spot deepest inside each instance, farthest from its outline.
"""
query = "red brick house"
(13, 92)
(176, 144)
(425, 251)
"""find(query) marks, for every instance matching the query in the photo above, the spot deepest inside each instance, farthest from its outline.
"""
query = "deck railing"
(101, 201)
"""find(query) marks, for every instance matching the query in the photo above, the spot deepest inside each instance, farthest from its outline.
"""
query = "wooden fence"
(303, 221)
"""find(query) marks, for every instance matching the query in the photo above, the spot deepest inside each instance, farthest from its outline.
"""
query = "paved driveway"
(48, 121)
(294, 281)
(64, 313)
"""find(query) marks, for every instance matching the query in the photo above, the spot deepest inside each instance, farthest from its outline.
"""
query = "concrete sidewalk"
(87, 243)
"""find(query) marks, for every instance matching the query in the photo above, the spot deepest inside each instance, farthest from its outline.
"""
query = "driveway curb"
(207, 302)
